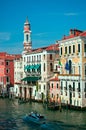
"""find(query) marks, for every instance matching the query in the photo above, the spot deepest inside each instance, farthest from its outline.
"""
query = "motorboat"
(34, 117)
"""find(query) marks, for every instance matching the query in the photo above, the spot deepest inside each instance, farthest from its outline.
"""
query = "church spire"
(27, 20)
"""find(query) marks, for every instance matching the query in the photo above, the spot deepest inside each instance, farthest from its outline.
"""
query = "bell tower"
(27, 37)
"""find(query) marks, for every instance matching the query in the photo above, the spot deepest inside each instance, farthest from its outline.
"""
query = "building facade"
(37, 68)
(18, 74)
(6, 72)
(73, 71)
(58, 70)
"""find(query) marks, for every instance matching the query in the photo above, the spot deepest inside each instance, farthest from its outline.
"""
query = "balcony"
(33, 73)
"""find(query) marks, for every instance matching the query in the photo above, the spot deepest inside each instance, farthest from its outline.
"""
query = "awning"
(30, 78)
(32, 66)
(37, 66)
(27, 67)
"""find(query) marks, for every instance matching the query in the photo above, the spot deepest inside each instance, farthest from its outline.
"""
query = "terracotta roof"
(75, 34)
(47, 48)
(68, 37)
(6, 56)
(83, 34)
(54, 79)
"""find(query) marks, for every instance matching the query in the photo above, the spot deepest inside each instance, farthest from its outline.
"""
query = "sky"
(50, 20)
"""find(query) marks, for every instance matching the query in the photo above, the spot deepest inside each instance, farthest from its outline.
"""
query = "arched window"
(51, 67)
(70, 67)
(44, 67)
(27, 37)
(85, 70)
(73, 86)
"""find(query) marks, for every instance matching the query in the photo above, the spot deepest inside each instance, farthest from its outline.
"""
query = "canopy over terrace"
(31, 79)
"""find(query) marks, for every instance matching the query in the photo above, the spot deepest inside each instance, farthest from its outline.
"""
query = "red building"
(6, 72)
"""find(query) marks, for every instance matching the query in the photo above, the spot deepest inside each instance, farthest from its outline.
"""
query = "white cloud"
(4, 36)
(43, 34)
(70, 14)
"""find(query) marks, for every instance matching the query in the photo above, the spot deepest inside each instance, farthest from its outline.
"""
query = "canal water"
(11, 114)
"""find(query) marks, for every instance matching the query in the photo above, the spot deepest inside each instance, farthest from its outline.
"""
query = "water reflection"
(11, 114)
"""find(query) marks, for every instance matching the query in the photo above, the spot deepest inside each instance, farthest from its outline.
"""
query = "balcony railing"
(33, 73)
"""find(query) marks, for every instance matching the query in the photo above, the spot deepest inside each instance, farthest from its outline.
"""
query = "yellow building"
(73, 69)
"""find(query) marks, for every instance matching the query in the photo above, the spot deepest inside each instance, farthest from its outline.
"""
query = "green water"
(11, 113)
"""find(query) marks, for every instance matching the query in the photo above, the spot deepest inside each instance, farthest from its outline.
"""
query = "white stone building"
(18, 74)
(37, 67)
(73, 71)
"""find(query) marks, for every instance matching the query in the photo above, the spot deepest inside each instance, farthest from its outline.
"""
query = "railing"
(34, 61)
(33, 73)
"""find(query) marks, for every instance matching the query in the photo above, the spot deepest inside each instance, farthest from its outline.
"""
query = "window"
(44, 87)
(7, 70)
(78, 47)
(79, 70)
(85, 95)
(57, 85)
(32, 58)
(7, 62)
(66, 85)
(85, 69)
(69, 49)
(70, 67)
(27, 37)
(44, 57)
(52, 85)
(61, 85)
(79, 87)
(50, 56)
(39, 57)
(56, 67)
(73, 48)
(44, 67)
(7, 79)
(85, 87)
(65, 50)
(73, 86)
(84, 47)
(51, 67)
(61, 50)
